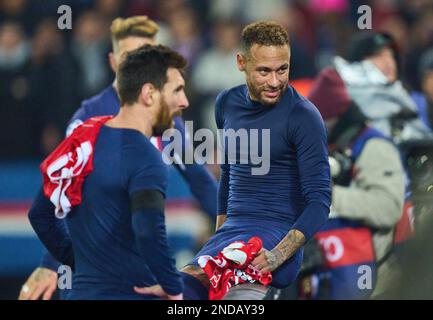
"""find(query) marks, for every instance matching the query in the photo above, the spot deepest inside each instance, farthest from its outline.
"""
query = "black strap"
(147, 199)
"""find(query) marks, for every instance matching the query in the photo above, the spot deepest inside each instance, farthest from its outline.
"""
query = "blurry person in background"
(38, 88)
(367, 191)
(370, 73)
(90, 44)
(398, 30)
(14, 94)
(18, 11)
(109, 9)
(245, 10)
(49, 55)
(301, 42)
(420, 40)
(424, 99)
(216, 68)
(185, 32)
(14, 47)
(127, 35)
(332, 29)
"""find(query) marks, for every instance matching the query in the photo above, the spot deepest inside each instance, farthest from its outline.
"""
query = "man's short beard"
(257, 94)
(165, 120)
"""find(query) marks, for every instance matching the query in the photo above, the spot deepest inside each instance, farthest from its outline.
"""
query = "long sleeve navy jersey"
(201, 183)
(294, 192)
(115, 246)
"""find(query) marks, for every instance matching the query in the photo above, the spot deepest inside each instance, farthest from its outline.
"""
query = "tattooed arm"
(271, 260)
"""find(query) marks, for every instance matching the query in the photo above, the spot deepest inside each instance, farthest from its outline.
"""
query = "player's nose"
(273, 80)
(183, 102)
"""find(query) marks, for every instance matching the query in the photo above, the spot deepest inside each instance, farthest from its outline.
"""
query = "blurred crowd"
(45, 72)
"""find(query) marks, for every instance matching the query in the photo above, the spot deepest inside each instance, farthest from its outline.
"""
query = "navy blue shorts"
(270, 235)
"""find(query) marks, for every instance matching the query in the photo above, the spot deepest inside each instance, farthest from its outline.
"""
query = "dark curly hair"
(147, 64)
(264, 33)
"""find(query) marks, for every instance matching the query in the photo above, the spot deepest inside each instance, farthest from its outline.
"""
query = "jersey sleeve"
(223, 186)
(147, 182)
(308, 134)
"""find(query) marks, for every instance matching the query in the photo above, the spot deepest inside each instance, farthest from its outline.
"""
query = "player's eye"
(178, 89)
(282, 70)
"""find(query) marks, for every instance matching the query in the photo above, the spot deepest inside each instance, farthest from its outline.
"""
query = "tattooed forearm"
(285, 249)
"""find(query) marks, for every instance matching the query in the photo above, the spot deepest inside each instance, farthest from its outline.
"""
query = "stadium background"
(45, 72)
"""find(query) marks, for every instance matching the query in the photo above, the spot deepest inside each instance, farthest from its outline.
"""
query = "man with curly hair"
(287, 205)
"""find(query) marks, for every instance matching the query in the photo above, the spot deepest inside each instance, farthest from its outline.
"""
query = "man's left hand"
(266, 261)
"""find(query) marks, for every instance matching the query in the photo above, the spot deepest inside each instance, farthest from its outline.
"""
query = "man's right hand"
(42, 282)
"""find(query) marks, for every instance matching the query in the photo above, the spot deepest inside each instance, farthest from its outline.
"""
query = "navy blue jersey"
(294, 193)
(202, 184)
(107, 261)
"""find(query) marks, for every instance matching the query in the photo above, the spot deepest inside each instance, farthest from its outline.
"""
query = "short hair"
(147, 64)
(263, 33)
(138, 26)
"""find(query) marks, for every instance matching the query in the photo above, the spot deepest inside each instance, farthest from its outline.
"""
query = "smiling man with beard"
(115, 237)
(287, 205)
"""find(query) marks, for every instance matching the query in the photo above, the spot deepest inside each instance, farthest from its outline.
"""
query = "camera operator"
(369, 185)
(370, 74)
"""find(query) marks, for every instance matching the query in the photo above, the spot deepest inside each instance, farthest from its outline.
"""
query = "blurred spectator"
(245, 10)
(17, 128)
(370, 74)
(212, 72)
(318, 29)
(301, 59)
(421, 38)
(185, 33)
(90, 47)
(14, 48)
(110, 9)
(397, 28)
(216, 68)
(332, 29)
(141, 7)
(52, 67)
(166, 8)
(17, 11)
(424, 99)
(368, 186)
(411, 10)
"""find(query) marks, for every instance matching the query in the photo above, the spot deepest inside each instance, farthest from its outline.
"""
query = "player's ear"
(241, 61)
(147, 94)
(112, 61)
